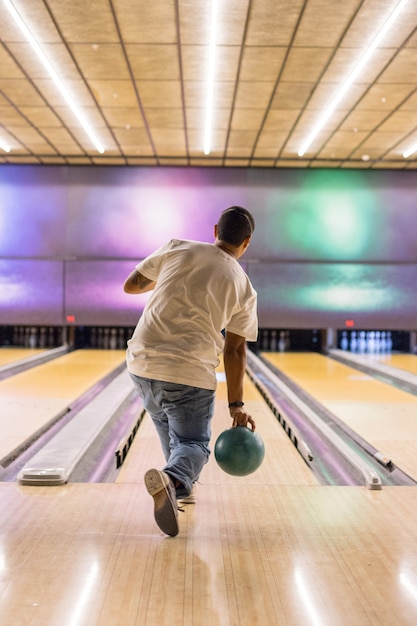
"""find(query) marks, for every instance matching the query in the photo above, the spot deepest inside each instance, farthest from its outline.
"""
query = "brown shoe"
(190, 499)
(161, 488)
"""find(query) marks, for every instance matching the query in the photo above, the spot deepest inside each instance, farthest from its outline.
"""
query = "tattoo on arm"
(140, 280)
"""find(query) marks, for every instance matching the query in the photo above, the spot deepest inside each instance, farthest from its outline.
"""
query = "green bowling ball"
(239, 451)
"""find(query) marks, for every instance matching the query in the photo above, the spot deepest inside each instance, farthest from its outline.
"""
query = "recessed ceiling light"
(365, 157)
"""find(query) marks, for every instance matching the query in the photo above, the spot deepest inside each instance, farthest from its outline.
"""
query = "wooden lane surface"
(11, 355)
(282, 465)
(251, 551)
(29, 400)
(90, 555)
(383, 415)
(406, 362)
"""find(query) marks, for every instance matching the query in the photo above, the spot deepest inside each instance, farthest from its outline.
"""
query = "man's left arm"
(234, 357)
(138, 283)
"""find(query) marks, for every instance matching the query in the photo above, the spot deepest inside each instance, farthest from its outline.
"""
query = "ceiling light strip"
(356, 70)
(210, 82)
(4, 146)
(53, 74)
(410, 151)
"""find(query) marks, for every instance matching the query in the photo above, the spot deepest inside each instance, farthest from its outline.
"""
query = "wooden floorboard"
(283, 464)
(31, 399)
(406, 362)
(383, 415)
(9, 356)
(273, 548)
(254, 554)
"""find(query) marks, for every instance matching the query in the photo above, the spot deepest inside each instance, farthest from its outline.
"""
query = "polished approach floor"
(272, 548)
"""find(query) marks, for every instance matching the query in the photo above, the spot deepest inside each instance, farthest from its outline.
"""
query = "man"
(202, 304)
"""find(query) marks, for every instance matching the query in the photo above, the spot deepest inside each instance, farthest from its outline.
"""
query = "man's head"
(235, 225)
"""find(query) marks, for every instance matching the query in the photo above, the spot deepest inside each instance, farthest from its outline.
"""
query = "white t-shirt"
(200, 291)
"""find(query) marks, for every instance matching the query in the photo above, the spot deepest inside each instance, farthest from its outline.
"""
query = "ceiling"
(138, 70)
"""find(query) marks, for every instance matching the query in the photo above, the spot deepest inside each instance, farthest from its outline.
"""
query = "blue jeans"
(182, 418)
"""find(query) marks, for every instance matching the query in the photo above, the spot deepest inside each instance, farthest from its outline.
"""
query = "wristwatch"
(236, 404)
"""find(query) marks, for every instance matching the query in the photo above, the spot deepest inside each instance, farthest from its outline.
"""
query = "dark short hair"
(235, 224)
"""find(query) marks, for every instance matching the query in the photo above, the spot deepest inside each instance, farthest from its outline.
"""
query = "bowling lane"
(406, 362)
(384, 416)
(33, 398)
(398, 369)
(283, 465)
(10, 356)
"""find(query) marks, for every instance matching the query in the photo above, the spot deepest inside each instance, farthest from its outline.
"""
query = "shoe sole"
(165, 511)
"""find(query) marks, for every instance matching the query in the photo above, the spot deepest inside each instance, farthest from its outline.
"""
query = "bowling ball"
(239, 451)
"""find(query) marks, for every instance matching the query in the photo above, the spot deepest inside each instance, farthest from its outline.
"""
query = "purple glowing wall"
(329, 244)
(32, 292)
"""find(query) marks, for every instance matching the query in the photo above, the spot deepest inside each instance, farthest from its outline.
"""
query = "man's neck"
(226, 247)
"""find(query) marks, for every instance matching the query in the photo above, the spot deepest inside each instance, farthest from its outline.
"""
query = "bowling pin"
(383, 343)
(377, 342)
(370, 342)
(287, 340)
(121, 340)
(362, 342)
(42, 338)
(353, 341)
(32, 338)
(113, 339)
